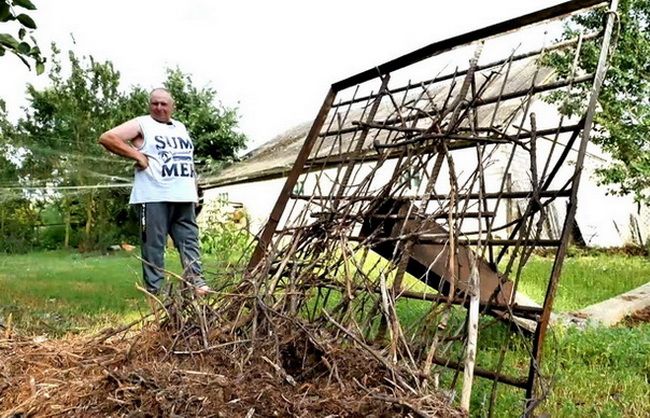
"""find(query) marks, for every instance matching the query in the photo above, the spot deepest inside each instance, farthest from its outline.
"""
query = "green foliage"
(51, 237)
(585, 280)
(602, 372)
(224, 235)
(623, 120)
(60, 129)
(22, 44)
(213, 127)
(59, 292)
(598, 372)
(7, 168)
(18, 218)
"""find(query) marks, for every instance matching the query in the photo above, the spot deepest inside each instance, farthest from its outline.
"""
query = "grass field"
(586, 279)
(57, 292)
(596, 373)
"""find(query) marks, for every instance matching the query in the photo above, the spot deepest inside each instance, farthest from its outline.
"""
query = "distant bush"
(17, 226)
(224, 233)
(51, 237)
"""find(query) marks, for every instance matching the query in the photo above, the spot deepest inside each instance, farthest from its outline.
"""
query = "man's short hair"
(161, 89)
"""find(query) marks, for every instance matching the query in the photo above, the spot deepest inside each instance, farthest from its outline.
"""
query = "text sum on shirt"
(175, 142)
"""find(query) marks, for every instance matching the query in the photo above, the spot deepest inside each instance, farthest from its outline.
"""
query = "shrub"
(224, 233)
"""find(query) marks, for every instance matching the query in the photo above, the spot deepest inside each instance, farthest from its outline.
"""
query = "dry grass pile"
(175, 365)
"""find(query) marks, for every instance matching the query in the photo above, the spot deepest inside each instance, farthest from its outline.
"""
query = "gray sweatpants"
(177, 219)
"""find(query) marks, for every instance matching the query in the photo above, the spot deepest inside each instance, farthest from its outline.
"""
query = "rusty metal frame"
(305, 164)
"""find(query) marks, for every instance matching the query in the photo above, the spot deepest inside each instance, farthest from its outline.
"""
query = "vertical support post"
(540, 332)
(472, 332)
(274, 218)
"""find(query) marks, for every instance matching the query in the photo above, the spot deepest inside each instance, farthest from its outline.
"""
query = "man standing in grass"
(164, 188)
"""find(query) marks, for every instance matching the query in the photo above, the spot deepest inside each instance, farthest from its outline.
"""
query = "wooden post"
(472, 332)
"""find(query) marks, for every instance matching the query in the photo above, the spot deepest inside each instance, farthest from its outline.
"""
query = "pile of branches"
(201, 357)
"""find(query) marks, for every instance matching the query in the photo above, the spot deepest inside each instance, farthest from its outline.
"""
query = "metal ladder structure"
(407, 192)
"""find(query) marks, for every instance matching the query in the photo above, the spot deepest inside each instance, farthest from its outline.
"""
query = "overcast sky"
(274, 60)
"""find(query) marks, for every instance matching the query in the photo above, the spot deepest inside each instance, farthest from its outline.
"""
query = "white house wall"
(258, 199)
(604, 220)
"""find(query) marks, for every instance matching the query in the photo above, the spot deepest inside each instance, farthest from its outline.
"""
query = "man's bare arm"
(119, 140)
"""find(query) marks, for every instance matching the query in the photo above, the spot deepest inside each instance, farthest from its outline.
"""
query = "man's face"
(161, 106)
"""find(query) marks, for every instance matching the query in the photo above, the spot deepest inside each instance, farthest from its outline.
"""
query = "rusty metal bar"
(487, 101)
(550, 178)
(354, 208)
(393, 153)
(446, 77)
(274, 218)
(437, 215)
(542, 326)
(364, 133)
(313, 164)
(448, 44)
(564, 154)
(494, 195)
(525, 312)
(442, 240)
(488, 374)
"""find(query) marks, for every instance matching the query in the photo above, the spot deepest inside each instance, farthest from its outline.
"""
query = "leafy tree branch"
(623, 118)
(20, 42)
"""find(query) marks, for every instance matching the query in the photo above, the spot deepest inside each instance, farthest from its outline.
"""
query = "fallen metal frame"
(390, 221)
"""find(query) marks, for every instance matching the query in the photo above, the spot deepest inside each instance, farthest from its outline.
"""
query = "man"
(164, 188)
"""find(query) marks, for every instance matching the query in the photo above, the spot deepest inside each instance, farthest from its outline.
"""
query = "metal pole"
(448, 44)
(542, 326)
(274, 218)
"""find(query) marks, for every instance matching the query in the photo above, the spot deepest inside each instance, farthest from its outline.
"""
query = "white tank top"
(170, 176)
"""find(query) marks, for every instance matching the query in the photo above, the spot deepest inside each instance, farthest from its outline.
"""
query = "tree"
(22, 44)
(213, 127)
(61, 128)
(17, 215)
(623, 120)
(64, 120)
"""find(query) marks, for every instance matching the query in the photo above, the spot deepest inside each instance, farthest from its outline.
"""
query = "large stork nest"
(214, 357)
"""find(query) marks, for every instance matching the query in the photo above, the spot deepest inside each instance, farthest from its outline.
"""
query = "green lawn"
(599, 372)
(58, 291)
(596, 373)
(586, 279)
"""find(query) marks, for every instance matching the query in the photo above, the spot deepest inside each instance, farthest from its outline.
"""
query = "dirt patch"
(147, 373)
(637, 318)
(580, 315)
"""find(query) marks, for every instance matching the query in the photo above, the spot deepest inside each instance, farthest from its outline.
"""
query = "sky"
(273, 60)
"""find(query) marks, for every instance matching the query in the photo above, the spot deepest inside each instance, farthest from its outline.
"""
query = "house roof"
(272, 159)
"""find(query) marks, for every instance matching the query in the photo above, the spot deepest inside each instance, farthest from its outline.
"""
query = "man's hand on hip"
(141, 162)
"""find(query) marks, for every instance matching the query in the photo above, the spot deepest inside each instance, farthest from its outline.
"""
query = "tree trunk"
(67, 220)
(89, 218)
(2, 221)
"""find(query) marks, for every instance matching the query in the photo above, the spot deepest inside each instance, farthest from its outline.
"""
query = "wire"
(60, 153)
(32, 183)
(81, 187)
